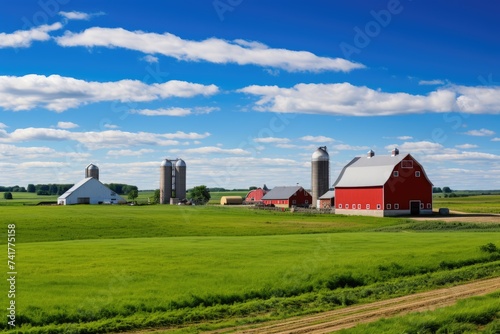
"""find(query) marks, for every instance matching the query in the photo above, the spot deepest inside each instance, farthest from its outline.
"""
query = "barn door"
(414, 208)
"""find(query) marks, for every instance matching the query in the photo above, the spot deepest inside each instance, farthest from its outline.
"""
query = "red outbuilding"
(286, 197)
(383, 186)
(255, 196)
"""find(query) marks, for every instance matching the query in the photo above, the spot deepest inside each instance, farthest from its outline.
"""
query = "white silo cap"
(320, 154)
(180, 163)
(166, 163)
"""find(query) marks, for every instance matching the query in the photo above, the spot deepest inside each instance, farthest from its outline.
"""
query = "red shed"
(255, 196)
(383, 186)
(286, 197)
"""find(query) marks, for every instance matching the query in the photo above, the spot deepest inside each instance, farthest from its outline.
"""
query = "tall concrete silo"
(92, 171)
(180, 179)
(320, 174)
(165, 181)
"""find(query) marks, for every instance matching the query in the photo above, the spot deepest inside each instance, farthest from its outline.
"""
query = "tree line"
(59, 189)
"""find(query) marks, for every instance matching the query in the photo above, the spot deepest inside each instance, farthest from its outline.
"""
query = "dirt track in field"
(348, 317)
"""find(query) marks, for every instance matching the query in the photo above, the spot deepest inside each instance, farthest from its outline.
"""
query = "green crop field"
(107, 268)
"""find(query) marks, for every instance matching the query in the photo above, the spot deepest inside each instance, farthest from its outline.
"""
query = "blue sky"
(245, 90)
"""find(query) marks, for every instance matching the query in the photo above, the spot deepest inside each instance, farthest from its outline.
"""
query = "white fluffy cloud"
(179, 112)
(213, 50)
(480, 133)
(66, 125)
(431, 82)
(100, 139)
(59, 93)
(347, 99)
(212, 150)
(466, 146)
(317, 139)
(129, 153)
(24, 38)
(271, 140)
(74, 15)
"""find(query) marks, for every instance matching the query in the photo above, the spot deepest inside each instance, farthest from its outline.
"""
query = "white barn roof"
(89, 191)
(368, 172)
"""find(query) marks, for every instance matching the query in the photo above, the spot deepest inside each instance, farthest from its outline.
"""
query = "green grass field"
(89, 269)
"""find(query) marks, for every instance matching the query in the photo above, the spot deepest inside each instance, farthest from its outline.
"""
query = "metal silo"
(92, 171)
(320, 174)
(165, 181)
(180, 179)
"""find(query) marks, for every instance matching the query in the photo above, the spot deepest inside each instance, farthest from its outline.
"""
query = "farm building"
(231, 200)
(255, 196)
(383, 186)
(90, 191)
(286, 197)
(327, 200)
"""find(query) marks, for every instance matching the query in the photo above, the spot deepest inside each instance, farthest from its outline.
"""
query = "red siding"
(300, 198)
(361, 197)
(255, 195)
(407, 187)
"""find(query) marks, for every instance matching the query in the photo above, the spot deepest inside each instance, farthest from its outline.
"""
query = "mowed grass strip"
(88, 280)
(57, 223)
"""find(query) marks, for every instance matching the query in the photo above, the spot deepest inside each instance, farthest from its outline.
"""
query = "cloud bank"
(212, 50)
(59, 93)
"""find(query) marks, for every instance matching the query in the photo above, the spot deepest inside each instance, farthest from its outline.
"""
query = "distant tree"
(437, 190)
(252, 188)
(156, 196)
(53, 189)
(447, 190)
(133, 194)
(7, 195)
(31, 188)
(199, 194)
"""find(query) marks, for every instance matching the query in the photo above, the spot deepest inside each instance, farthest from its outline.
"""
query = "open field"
(471, 204)
(84, 269)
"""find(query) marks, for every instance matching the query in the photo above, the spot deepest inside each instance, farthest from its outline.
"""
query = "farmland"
(188, 269)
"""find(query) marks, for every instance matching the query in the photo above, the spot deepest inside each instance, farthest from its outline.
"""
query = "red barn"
(286, 197)
(383, 186)
(255, 196)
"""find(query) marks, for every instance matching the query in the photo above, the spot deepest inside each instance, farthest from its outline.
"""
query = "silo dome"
(166, 163)
(180, 163)
(320, 154)
(92, 171)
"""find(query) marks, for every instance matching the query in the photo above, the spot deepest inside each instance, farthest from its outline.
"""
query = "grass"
(104, 268)
(473, 204)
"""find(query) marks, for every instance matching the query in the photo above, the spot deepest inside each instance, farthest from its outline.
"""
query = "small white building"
(90, 191)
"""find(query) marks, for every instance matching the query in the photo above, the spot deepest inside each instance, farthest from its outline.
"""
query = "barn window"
(417, 173)
(359, 206)
(367, 206)
(388, 206)
(421, 205)
(396, 206)
(395, 173)
(307, 202)
(347, 206)
(378, 206)
(340, 206)
(407, 164)
(354, 206)
(294, 202)
(429, 206)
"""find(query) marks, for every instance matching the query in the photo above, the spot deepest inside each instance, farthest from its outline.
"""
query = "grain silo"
(320, 174)
(180, 179)
(92, 171)
(165, 181)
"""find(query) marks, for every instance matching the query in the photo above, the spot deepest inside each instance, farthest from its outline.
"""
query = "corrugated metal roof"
(368, 172)
(328, 195)
(282, 192)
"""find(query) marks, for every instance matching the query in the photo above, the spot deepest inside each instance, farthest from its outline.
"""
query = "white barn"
(90, 191)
